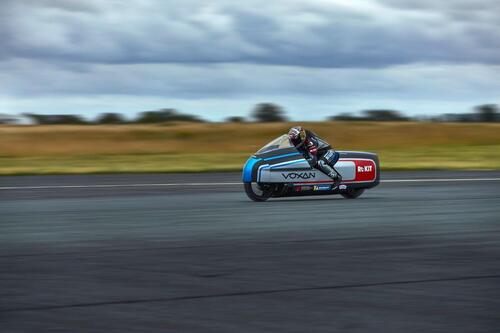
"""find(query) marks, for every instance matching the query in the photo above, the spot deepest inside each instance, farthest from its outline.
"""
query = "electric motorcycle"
(279, 170)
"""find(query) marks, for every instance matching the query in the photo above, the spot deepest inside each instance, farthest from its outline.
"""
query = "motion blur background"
(124, 126)
(152, 66)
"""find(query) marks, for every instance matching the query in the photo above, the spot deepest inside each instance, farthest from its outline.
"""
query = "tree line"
(481, 113)
(263, 112)
(113, 118)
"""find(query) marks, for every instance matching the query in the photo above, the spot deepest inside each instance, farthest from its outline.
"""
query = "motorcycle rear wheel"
(352, 193)
(259, 192)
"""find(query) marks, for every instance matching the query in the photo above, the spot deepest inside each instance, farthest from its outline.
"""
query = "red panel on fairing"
(366, 170)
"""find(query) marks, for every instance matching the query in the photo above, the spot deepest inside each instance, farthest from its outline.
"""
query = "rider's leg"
(325, 163)
(328, 169)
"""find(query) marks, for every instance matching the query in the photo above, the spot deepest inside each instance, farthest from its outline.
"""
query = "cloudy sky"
(218, 58)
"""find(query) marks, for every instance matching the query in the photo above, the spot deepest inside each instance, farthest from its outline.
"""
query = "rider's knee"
(322, 163)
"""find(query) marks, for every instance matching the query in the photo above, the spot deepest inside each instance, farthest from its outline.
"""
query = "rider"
(316, 151)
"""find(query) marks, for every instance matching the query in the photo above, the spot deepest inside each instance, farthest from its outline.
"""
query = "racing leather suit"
(319, 154)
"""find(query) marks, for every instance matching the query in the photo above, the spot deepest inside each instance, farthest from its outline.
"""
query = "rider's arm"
(312, 160)
(312, 150)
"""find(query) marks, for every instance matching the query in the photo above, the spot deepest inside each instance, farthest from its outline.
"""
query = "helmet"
(296, 135)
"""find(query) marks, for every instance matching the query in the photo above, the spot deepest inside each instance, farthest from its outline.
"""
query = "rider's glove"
(312, 160)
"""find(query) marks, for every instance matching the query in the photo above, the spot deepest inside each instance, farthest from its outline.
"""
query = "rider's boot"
(337, 178)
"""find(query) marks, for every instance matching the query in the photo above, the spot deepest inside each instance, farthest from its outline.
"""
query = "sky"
(215, 59)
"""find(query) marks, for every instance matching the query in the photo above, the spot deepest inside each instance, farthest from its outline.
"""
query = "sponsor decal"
(303, 188)
(357, 170)
(299, 175)
(365, 168)
(322, 187)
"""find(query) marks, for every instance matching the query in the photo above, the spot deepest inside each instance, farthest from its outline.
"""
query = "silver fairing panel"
(300, 171)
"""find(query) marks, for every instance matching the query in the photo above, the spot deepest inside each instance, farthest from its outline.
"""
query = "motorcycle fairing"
(287, 165)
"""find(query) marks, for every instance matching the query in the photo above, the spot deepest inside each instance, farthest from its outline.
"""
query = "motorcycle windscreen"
(278, 143)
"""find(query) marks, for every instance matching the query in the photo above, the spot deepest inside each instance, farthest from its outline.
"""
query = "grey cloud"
(298, 33)
(27, 78)
(312, 51)
(89, 6)
(448, 7)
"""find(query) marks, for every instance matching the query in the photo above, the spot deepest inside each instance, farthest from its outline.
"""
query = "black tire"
(259, 192)
(352, 193)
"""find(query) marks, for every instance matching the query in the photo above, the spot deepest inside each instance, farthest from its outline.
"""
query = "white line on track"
(437, 180)
(44, 187)
(112, 185)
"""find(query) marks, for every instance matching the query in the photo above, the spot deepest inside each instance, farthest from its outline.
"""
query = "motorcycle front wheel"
(259, 192)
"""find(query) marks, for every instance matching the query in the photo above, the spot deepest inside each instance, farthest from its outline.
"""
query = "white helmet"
(296, 135)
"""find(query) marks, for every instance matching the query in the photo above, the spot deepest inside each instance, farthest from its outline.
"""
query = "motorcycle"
(279, 170)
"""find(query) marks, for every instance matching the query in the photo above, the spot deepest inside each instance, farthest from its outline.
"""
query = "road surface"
(190, 253)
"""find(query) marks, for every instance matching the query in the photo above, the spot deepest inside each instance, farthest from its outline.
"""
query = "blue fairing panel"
(282, 156)
(248, 168)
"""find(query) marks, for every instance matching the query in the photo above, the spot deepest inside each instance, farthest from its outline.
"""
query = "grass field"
(201, 147)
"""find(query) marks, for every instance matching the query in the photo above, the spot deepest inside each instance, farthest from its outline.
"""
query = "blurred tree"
(345, 116)
(110, 118)
(56, 119)
(149, 117)
(165, 115)
(268, 112)
(455, 117)
(384, 115)
(235, 119)
(487, 112)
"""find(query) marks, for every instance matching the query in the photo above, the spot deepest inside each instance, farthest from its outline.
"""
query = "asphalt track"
(110, 253)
